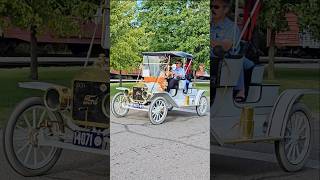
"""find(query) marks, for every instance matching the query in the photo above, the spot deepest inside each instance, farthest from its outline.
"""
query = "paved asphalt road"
(176, 149)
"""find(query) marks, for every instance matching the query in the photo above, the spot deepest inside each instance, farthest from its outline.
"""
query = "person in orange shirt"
(201, 71)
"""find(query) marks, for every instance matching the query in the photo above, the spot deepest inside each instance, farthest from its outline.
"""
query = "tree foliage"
(127, 39)
(178, 25)
(60, 17)
(37, 16)
(308, 12)
(158, 26)
(273, 15)
(273, 19)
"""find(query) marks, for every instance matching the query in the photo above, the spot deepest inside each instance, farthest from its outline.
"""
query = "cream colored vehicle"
(151, 95)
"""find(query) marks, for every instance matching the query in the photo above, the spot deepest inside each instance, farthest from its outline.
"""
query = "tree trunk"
(271, 54)
(120, 81)
(33, 54)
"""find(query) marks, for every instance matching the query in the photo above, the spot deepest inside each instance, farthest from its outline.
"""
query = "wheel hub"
(33, 137)
(158, 110)
(295, 138)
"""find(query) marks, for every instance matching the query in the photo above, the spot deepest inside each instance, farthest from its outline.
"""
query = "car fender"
(280, 112)
(166, 96)
(198, 96)
(43, 86)
(122, 88)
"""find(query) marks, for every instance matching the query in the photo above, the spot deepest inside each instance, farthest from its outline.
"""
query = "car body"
(151, 94)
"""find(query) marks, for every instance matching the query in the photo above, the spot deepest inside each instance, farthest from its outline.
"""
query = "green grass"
(113, 87)
(10, 94)
(300, 79)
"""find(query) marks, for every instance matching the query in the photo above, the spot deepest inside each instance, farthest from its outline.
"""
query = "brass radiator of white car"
(137, 93)
(89, 101)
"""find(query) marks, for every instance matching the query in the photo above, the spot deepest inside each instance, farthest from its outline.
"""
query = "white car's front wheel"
(28, 121)
(118, 105)
(158, 110)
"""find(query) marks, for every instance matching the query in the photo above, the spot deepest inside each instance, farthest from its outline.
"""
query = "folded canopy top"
(169, 53)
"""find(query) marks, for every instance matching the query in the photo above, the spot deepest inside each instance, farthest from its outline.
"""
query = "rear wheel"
(29, 120)
(203, 106)
(294, 149)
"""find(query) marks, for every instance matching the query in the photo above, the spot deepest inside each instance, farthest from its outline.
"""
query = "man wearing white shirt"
(178, 73)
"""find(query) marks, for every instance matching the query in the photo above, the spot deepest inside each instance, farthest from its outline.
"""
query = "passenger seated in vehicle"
(177, 74)
(201, 72)
(188, 76)
(222, 34)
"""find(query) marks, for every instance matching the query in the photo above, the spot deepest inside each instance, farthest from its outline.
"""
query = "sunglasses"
(178, 63)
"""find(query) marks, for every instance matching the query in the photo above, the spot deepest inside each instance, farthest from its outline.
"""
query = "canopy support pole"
(248, 21)
(236, 12)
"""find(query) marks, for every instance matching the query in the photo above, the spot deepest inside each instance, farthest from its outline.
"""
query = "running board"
(70, 146)
(250, 140)
(139, 109)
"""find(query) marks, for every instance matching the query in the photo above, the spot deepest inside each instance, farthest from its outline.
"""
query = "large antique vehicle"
(74, 118)
(264, 115)
(152, 94)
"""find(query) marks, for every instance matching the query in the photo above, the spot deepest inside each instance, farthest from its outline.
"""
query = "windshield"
(152, 65)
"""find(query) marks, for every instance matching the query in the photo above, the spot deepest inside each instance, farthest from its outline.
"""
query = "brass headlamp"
(57, 98)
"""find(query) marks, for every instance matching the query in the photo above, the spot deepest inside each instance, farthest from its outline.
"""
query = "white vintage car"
(151, 93)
